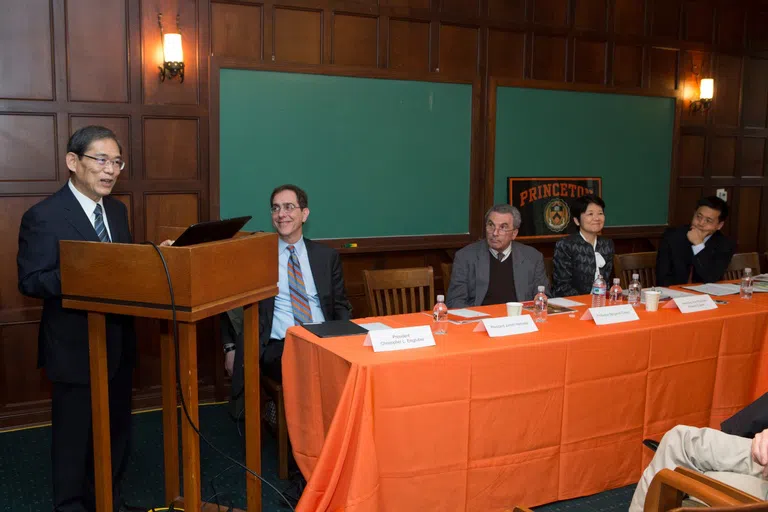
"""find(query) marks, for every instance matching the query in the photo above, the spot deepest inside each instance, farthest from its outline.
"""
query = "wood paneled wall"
(63, 69)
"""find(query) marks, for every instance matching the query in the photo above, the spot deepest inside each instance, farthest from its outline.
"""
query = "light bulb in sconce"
(172, 50)
(706, 93)
(173, 53)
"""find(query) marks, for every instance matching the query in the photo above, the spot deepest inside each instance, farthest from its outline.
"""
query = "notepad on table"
(716, 289)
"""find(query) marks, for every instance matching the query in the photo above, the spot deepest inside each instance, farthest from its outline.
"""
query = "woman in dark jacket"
(581, 255)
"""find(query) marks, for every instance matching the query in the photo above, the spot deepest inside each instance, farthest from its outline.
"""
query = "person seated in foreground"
(581, 256)
(699, 252)
(497, 269)
(737, 455)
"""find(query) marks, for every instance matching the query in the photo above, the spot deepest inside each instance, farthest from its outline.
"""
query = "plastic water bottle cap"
(747, 270)
(541, 288)
(441, 298)
(616, 280)
(635, 276)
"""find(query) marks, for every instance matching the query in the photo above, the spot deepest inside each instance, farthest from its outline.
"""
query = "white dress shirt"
(599, 260)
(283, 312)
(89, 207)
(700, 247)
(504, 254)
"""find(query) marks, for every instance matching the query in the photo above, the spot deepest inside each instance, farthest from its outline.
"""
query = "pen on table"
(349, 246)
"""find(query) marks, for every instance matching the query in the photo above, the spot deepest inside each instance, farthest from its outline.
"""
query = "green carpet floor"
(25, 469)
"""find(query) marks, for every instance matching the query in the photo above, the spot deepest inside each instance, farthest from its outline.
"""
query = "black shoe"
(650, 443)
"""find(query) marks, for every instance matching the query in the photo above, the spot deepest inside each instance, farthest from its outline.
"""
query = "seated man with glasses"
(311, 289)
(497, 269)
(699, 252)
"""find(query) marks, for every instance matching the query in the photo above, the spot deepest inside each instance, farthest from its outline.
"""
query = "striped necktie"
(301, 312)
(98, 224)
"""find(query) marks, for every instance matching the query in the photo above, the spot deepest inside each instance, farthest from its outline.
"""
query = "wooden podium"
(208, 279)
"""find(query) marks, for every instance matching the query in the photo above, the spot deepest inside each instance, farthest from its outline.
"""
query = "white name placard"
(611, 314)
(507, 326)
(692, 304)
(400, 339)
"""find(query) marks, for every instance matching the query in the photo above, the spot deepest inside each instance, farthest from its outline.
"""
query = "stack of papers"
(465, 316)
(715, 289)
(666, 293)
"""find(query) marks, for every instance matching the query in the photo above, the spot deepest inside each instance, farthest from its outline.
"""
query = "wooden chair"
(741, 261)
(274, 390)
(643, 263)
(446, 269)
(549, 266)
(668, 488)
(394, 292)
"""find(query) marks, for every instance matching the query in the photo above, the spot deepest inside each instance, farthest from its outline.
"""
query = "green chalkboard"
(377, 157)
(624, 139)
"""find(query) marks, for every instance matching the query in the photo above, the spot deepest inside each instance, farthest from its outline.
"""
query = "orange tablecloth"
(479, 423)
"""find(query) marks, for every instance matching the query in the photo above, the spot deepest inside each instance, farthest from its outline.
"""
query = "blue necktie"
(101, 229)
(301, 312)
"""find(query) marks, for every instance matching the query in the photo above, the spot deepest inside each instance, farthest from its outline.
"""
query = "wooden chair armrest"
(668, 487)
(719, 486)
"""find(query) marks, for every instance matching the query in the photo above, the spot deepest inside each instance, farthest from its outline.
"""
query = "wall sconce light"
(173, 54)
(706, 92)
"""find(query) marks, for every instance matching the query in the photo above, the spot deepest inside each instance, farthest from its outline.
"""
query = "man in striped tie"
(311, 288)
(80, 210)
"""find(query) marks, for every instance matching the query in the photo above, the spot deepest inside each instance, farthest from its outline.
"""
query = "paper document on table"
(466, 313)
(666, 293)
(375, 326)
(761, 277)
(566, 303)
(715, 289)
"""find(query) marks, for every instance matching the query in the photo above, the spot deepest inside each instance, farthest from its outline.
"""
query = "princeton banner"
(545, 203)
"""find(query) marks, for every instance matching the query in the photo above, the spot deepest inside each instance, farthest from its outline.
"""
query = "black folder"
(334, 328)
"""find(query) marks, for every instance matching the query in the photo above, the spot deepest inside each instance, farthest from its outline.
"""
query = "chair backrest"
(643, 263)
(549, 266)
(446, 269)
(741, 261)
(398, 291)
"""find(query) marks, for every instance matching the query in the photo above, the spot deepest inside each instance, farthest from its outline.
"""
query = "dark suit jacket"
(675, 258)
(329, 281)
(472, 272)
(574, 265)
(63, 335)
(749, 421)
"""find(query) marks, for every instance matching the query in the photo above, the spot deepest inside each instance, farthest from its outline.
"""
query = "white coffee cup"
(514, 308)
(652, 300)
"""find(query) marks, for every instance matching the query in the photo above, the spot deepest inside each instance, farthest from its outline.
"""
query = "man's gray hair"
(504, 209)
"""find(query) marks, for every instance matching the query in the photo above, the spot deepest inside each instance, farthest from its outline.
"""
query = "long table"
(480, 424)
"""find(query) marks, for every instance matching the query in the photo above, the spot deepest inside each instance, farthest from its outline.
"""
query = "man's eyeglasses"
(287, 208)
(117, 162)
(492, 228)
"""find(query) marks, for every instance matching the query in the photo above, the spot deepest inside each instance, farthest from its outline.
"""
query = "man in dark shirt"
(496, 269)
(699, 252)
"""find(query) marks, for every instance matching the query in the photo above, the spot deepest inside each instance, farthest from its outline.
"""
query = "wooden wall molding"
(59, 80)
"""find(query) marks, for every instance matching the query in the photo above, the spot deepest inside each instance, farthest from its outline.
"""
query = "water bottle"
(635, 291)
(746, 284)
(598, 291)
(540, 306)
(614, 295)
(440, 316)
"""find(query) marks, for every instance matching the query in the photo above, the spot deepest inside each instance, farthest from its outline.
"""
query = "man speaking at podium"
(81, 210)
